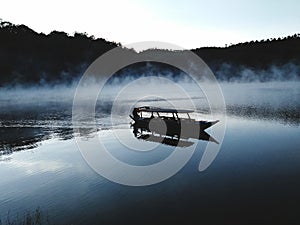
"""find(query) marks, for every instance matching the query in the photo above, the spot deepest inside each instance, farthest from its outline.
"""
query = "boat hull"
(181, 127)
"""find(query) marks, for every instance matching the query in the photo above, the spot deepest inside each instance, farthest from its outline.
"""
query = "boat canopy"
(162, 110)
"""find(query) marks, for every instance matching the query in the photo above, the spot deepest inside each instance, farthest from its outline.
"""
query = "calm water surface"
(253, 180)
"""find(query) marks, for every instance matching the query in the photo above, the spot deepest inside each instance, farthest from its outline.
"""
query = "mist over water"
(272, 73)
(55, 102)
(260, 144)
(29, 115)
(32, 114)
(72, 150)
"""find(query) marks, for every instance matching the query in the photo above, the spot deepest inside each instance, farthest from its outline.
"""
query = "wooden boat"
(167, 138)
(175, 124)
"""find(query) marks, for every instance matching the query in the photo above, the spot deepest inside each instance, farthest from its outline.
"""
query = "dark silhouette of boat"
(168, 139)
(168, 130)
(173, 123)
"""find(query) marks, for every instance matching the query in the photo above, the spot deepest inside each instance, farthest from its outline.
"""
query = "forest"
(28, 57)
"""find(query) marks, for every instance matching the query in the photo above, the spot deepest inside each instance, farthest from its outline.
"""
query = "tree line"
(28, 57)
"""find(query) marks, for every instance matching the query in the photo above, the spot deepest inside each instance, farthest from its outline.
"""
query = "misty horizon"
(99, 124)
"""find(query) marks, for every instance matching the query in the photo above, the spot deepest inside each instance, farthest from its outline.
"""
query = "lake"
(254, 178)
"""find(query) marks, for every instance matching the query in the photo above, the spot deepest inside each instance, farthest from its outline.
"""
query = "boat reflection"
(13, 139)
(169, 137)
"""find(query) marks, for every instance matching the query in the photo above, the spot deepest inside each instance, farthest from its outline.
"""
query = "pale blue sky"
(189, 24)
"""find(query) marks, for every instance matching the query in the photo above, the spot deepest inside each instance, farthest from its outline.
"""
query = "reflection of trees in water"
(289, 115)
(17, 135)
(26, 126)
(285, 115)
(87, 132)
(23, 138)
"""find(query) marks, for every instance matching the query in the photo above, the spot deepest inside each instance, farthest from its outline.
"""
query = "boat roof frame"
(162, 110)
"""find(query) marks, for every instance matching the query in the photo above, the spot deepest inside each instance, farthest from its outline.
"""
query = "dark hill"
(28, 57)
(280, 55)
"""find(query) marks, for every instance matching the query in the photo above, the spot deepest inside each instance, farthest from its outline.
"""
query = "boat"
(171, 139)
(155, 119)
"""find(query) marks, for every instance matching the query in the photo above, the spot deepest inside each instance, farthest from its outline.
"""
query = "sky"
(188, 24)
